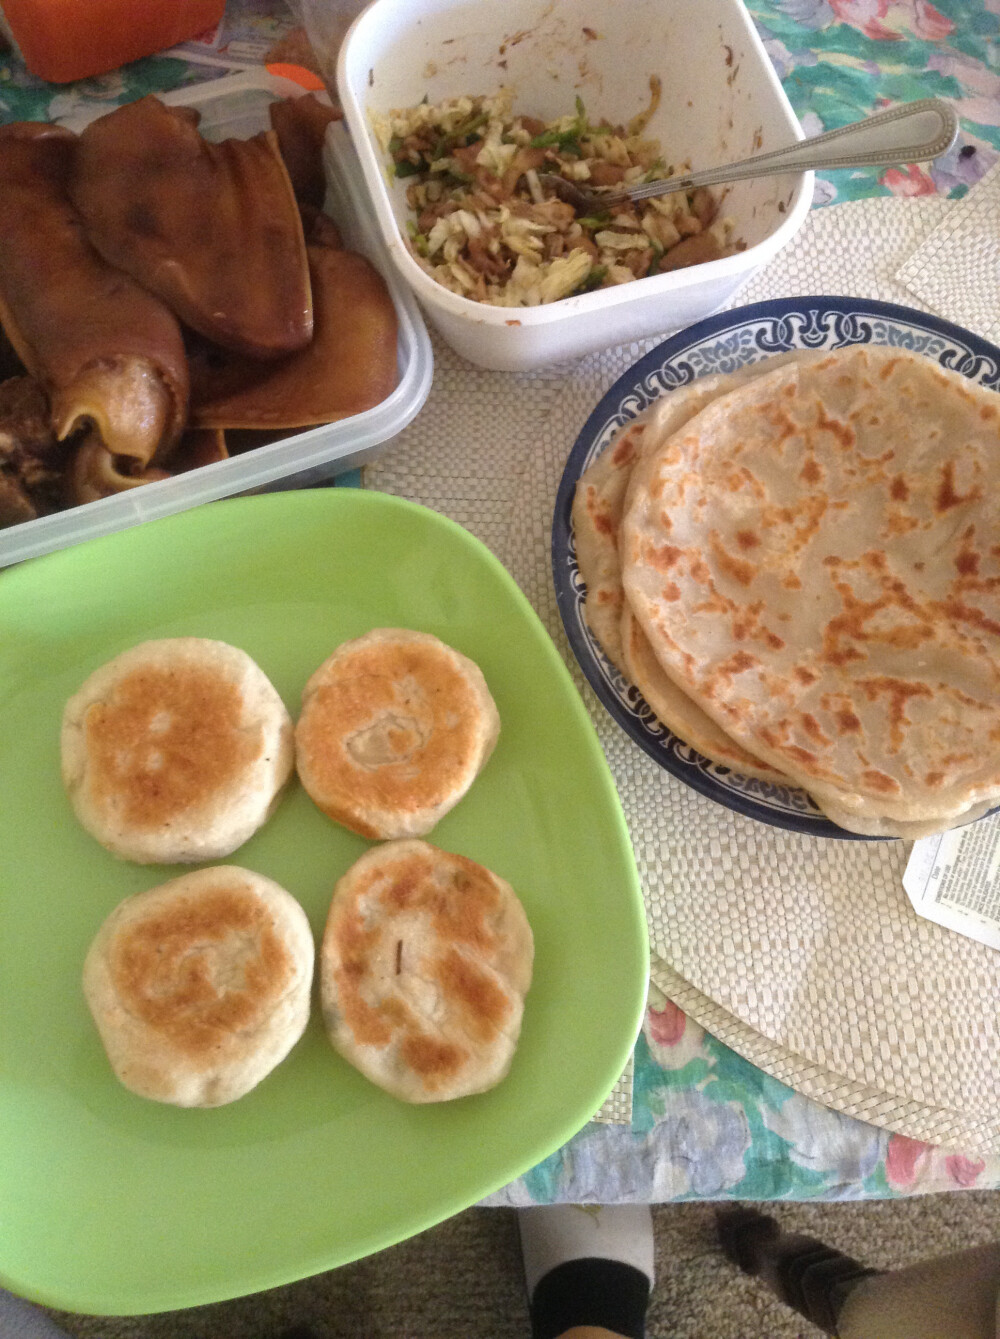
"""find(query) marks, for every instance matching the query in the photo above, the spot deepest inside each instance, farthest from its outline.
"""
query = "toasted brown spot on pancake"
(843, 432)
(881, 782)
(948, 495)
(627, 447)
(664, 557)
(394, 726)
(813, 728)
(738, 662)
(202, 969)
(741, 571)
(433, 1060)
(166, 742)
(426, 959)
(483, 1004)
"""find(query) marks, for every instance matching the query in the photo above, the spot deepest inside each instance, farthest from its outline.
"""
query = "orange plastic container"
(62, 40)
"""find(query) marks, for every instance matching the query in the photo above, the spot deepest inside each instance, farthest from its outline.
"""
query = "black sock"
(591, 1291)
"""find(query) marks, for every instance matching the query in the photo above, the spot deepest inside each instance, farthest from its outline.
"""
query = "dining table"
(693, 1119)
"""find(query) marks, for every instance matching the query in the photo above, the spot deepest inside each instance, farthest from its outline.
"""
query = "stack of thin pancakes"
(798, 566)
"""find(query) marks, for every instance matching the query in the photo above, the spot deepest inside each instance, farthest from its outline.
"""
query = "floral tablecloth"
(706, 1123)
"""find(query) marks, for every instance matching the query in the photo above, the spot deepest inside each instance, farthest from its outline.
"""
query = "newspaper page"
(954, 880)
(243, 36)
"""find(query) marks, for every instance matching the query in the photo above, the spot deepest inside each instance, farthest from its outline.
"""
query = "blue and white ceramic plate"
(725, 343)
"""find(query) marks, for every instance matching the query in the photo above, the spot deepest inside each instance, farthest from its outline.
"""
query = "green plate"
(112, 1204)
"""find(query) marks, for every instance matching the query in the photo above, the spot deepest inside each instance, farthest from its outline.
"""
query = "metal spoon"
(914, 132)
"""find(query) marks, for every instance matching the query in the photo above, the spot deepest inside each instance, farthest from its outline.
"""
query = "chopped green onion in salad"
(486, 227)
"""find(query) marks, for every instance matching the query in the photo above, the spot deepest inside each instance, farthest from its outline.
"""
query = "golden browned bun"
(425, 963)
(176, 750)
(395, 727)
(201, 986)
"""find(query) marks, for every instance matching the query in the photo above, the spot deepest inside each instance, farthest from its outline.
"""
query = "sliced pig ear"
(199, 446)
(212, 229)
(96, 473)
(300, 124)
(349, 367)
(126, 401)
(15, 504)
(103, 348)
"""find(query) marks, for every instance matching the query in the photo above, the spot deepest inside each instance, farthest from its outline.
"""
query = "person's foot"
(587, 1265)
(808, 1275)
(745, 1236)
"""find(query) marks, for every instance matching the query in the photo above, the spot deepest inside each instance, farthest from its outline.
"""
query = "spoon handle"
(913, 132)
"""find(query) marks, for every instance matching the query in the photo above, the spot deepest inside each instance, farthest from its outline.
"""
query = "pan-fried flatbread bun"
(201, 986)
(679, 713)
(815, 560)
(176, 750)
(425, 963)
(395, 727)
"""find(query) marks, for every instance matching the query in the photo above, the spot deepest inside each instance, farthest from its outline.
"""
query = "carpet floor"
(462, 1279)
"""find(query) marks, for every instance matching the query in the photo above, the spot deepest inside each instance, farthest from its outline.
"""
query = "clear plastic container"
(721, 101)
(236, 105)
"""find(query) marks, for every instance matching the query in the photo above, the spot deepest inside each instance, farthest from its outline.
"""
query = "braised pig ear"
(103, 348)
(300, 124)
(350, 365)
(199, 446)
(319, 228)
(95, 472)
(212, 229)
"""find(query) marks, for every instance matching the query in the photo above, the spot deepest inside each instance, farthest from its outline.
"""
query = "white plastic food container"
(721, 101)
(236, 106)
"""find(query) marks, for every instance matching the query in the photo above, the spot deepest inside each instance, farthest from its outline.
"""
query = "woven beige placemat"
(800, 953)
(956, 269)
(965, 1132)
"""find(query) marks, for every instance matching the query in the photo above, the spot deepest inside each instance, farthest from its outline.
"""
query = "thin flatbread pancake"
(679, 713)
(599, 503)
(597, 512)
(815, 559)
(603, 490)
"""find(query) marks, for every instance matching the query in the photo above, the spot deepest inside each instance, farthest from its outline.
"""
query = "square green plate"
(113, 1204)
